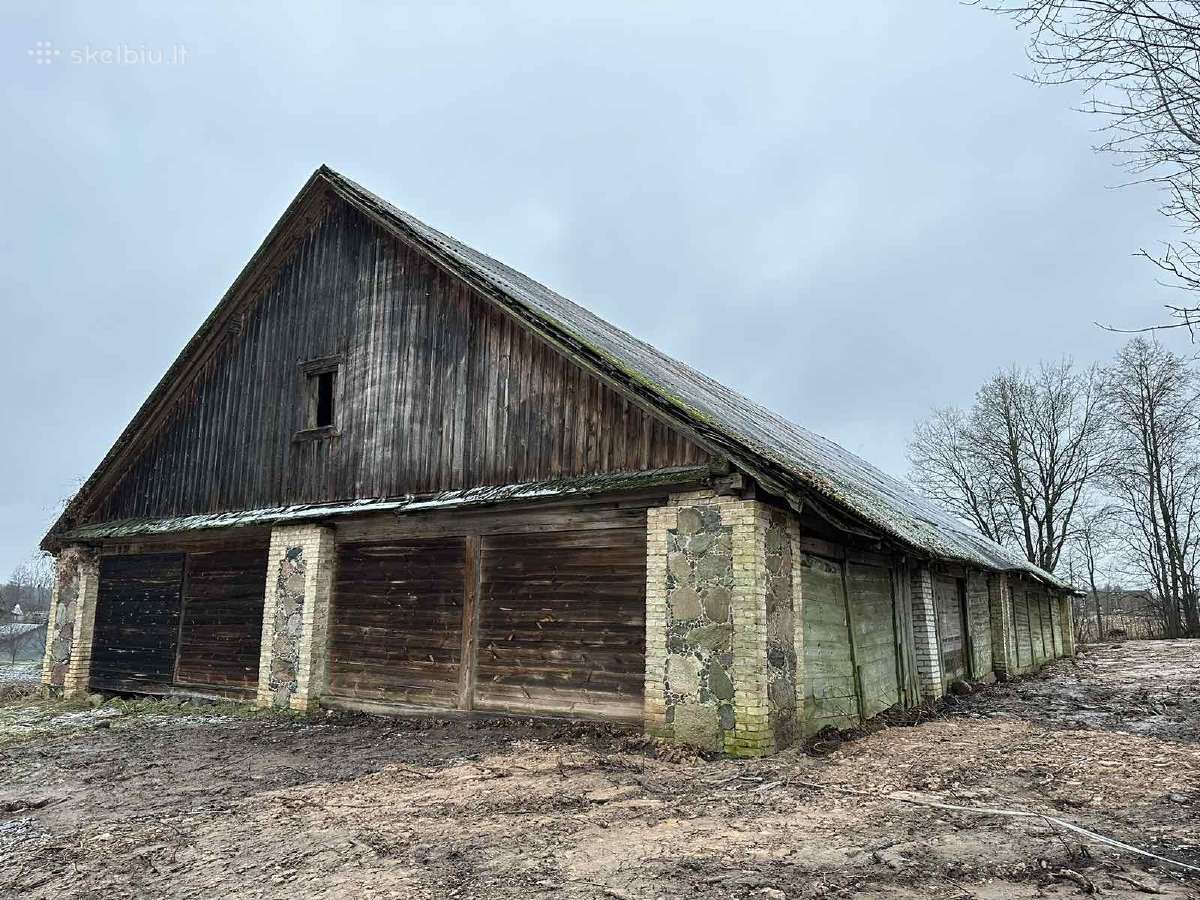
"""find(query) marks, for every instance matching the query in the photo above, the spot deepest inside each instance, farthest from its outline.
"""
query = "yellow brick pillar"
(293, 660)
(67, 664)
(721, 649)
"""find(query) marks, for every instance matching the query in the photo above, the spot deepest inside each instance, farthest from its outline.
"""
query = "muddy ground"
(149, 800)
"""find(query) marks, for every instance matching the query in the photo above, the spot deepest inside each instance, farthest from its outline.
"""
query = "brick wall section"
(980, 624)
(79, 668)
(1004, 651)
(698, 632)
(294, 657)
(928, 652)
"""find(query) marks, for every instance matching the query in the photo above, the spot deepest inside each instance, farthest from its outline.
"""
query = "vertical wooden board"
(562, 627)
(870, 595)
(396, 616)
(1047, 626)
(221, 630)
(980, 623)
(1021, 624)
(137, 622)
(951, 628)
(830, 697)
(1036, 631)
(407, 335)
(1056, 630)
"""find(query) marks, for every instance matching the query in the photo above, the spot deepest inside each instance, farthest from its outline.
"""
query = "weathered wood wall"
(562, 623)
(396, 621)
(221, 631)
(535, 611)
(873, 616)
(137, 622)
(436, 390)
(951, 628)
(830, 694)
(979, 624)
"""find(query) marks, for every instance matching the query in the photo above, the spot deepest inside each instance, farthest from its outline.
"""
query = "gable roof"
(785, 458)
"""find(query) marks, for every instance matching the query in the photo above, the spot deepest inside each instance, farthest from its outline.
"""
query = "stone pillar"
(1066, 620)
(67, 665)
(1004, 652)
(721, 658)
(292, 664)
(928, 650)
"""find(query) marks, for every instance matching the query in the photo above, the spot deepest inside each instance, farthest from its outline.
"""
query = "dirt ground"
(152, 800)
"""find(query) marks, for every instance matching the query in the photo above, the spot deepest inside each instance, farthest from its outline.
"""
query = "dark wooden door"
(396, 622)
(221, 633)
(948, 596)
(137, 622)
(562, 627)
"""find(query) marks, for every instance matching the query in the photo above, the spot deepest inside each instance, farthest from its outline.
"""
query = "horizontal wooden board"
(221, 631)
(396, 619)
(562, 623)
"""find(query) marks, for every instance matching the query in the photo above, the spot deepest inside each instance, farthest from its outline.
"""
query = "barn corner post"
(927, 646)
(66, 666)
(721, 654)
(293, 661)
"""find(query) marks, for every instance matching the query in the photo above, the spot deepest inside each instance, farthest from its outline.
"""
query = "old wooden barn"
(389, 472)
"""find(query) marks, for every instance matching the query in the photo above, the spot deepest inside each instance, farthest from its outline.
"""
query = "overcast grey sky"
(850, 212)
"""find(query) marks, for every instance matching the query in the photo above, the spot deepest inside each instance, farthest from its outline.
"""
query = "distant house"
(390, 472)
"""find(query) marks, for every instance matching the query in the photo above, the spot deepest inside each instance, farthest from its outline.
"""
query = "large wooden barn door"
(562, 622)
(830, 684)
(948, 597)
(396, 622)
(869, 592)
(221, 632)
(137, 622)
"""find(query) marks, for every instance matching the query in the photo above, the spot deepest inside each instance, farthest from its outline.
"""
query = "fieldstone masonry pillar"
(1004, 651)
(925, 634)
(67, 665)
(721, 653)
(292, 665)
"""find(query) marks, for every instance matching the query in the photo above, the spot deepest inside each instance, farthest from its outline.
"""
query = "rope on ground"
(1010, 813)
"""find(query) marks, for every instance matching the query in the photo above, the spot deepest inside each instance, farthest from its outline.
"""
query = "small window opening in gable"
(318, 398)
(323, 413)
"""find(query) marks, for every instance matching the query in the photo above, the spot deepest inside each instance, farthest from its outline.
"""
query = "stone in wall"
(61, 632)
(289, 627)
(781, 638)
(699, 687)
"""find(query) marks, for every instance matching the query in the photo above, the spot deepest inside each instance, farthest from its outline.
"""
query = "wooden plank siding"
(221, 630)
(137, 622)
(870, 596)
(437, 389)
(830, 688)
(952, 632)
(533, 612)
(396, 618)
(1021, 619)
(562, 623)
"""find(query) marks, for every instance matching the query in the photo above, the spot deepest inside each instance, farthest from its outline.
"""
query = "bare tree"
(1090, 557)
(1137, 61)
(1019, 463)
(1152, 406)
